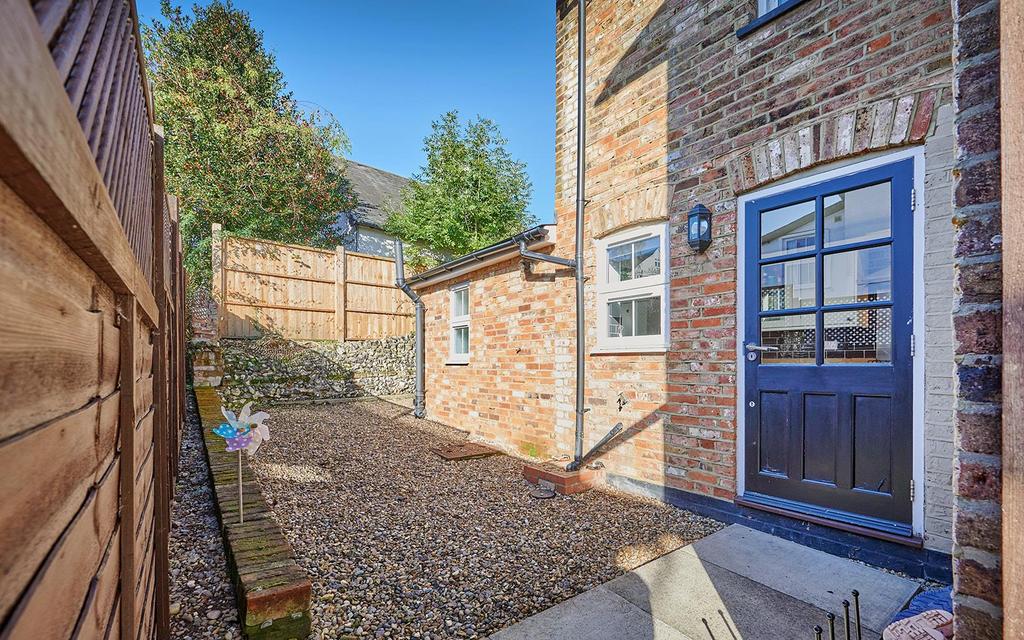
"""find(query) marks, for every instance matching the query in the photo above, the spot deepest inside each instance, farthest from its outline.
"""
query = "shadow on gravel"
(202, 596)
(399, 542)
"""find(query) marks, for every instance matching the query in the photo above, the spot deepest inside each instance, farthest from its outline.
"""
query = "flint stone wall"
(270, 370)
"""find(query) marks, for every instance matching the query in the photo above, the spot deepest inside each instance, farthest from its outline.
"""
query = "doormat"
(465, 451)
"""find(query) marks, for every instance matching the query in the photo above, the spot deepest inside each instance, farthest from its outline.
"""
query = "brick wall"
(681, 112)
(977, 322)
(684, 112)
(517, 388)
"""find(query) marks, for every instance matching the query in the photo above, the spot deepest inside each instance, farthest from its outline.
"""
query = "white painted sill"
(621, 351)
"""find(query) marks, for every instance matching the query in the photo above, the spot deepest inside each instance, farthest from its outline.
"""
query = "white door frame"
(814, 177)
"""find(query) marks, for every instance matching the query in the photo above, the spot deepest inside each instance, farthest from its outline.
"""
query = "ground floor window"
(634, 317)
(632, 288)
(459, 338)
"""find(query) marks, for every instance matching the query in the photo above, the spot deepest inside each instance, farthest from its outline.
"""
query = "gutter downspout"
(419, 406)
(543, 257)
(581, 203)
(577, 264)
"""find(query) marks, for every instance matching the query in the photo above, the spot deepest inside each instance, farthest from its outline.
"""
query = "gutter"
(536, 237)
(543, 257)
(419, 403)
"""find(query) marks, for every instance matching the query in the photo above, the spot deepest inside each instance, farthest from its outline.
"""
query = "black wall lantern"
(698, 225)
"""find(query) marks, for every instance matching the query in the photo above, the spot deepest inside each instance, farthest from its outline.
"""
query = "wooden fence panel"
(91, 351)
(304, 293)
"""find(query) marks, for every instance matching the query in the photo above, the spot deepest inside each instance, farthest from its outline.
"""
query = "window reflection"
(637, 317)
(858, 276)
(639, 259)
(788, 230)
(857, 215)
(787, 285)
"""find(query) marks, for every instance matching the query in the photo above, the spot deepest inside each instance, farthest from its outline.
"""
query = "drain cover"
(465, 451)
(542, 493)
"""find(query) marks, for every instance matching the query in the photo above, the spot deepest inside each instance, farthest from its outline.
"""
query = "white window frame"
(764, 6)
(458, 322)
(608, 291)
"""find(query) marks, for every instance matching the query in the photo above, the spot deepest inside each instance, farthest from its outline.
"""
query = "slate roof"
(373, 188)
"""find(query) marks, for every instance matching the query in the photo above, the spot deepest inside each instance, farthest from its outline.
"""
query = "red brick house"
(828, 369)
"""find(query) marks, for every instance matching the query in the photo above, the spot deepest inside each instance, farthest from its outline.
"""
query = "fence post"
(162, 414)
(126, 427)
(218, 284)
(340, 294)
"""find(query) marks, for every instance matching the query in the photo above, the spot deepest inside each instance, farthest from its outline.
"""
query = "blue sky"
(387, 69)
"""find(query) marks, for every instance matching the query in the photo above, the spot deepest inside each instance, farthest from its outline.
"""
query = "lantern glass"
(698, 234)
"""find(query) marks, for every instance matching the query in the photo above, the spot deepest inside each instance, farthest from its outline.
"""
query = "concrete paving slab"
(706, 602)
(806, 574)
(597, 614)
(737, 584)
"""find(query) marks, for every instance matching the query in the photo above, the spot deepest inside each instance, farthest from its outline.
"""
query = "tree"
(238, 149)
(470, 194)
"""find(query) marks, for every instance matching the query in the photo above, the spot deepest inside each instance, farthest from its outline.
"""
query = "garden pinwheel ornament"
(243, 431)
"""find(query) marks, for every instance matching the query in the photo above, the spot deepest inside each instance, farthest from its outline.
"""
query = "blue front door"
(828, 288)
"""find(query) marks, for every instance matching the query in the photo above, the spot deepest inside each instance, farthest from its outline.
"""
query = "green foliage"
(470, 194)
(238, 150)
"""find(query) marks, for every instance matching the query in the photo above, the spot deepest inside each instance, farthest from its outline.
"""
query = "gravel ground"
(401, 544)
(202, 596)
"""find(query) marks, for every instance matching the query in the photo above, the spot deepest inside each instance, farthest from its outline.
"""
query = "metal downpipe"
(419, 403)
(581, 168)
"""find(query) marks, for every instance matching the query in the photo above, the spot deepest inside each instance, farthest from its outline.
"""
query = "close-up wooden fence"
(305, 293)
(91, 353)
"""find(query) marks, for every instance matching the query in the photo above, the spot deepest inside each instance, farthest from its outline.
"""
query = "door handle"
(758, 347)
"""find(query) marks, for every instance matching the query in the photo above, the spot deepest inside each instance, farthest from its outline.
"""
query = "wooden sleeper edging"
(273, 592)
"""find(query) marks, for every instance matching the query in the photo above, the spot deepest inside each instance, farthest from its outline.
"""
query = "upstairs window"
(459, 334)
(632, 289)
(764, 6)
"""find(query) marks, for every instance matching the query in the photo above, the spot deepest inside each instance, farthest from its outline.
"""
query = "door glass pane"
(620, 263)
(787, 230)
(648, 316)
(460, 298)
(858, 276)
(461, 340)
(787, 285)
(858, 336)
(620, 319)
(792, 337)
(857, 215)
(648, 257)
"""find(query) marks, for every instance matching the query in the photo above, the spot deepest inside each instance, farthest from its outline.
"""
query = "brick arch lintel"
(894, 122)
(648, 204)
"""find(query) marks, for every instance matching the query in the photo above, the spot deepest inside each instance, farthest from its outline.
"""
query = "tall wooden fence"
(303, 293)
(91, 355)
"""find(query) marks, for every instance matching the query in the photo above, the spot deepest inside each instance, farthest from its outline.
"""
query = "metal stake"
(856, 609)
(817, 632)
(846, 617)
(831, 625)
(241, 516)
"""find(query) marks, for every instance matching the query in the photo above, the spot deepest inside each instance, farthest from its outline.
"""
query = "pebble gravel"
(402, 544)
(202, 596)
